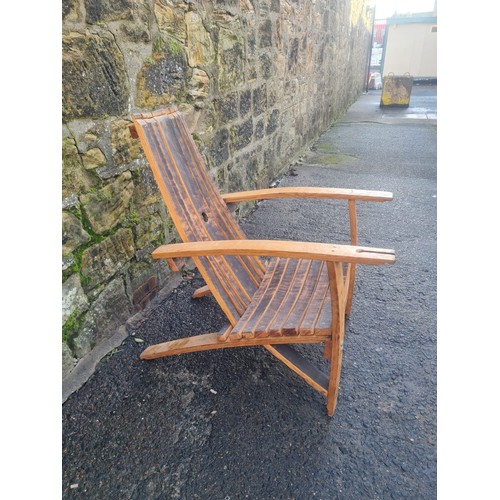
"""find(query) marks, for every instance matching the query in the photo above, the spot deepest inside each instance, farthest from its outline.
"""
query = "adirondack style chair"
(301, 297)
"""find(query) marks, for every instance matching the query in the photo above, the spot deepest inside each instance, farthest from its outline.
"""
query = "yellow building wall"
(411, 48)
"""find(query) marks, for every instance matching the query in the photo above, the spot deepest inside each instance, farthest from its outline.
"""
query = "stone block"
(75, 178)
(199, 84)
(163, 78)
(219, 149)
(94, 78)
(68, 361)
(136, 33)
(259, 129)
(108, 10)
(266, 34)
(111, 309)
(200, 49)
(148, 230)
(170, 20)
(73, 234)
(245, 102)
(106, 207)
(146, 193)
(125, 149)
(70, 10)
(230, 59)
(265, 66)
(94, 158)
(102, 261)
(67, 262)
(235, 180)
(227, 107)
(259, 97)
(273, 122)
(241, 135)
(74, 300)
(293, 55)
(246, 6)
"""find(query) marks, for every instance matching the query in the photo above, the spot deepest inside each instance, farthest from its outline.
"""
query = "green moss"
(95, 238)
(326, 147)
(133, 217)
(100, 194)
(136, 176)
(84, 279)
(158, 45)
(331, 159)
(71, 325)
(70, 152)
(174, 47)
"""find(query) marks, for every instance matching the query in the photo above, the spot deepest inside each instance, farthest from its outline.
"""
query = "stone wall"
(258, 80)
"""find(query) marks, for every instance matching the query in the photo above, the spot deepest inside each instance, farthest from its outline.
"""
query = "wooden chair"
(301, 297)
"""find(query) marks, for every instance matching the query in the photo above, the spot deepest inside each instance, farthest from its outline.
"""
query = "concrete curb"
(88, 364)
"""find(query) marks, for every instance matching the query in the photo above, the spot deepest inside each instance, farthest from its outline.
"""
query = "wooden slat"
(209, 341)
(220, 221)
(196, 207)
(201, 292)
(225, 221)
(262, 313)
(258, 305)
(289, 302)
(288, 355)
(200, 195)
(278, 248)
(297, 301)
(158, 149)
(308, 192)
(320, 294)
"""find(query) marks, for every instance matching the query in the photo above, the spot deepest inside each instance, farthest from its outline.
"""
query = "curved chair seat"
(293, 299)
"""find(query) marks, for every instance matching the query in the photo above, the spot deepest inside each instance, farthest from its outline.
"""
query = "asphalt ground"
(237, 423)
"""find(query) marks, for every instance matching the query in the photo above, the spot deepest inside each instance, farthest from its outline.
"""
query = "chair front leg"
(337, 293)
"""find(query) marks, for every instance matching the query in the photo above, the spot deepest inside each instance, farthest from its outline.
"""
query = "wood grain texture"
(290, 302)
(279, 248)
(209, 341)
(337, 291)
(196, 207)
(201, 292)
(307, 192)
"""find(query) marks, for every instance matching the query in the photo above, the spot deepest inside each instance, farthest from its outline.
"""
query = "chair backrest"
(196, 207)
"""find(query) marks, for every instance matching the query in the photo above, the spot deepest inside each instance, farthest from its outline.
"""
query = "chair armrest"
(307, 192)
(278, 248)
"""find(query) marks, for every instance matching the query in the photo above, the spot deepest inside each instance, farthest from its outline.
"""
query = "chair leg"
(209, 341)
(350, 288)
(338, 297)
(201, 292)
(334, 379)
(301, 366)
